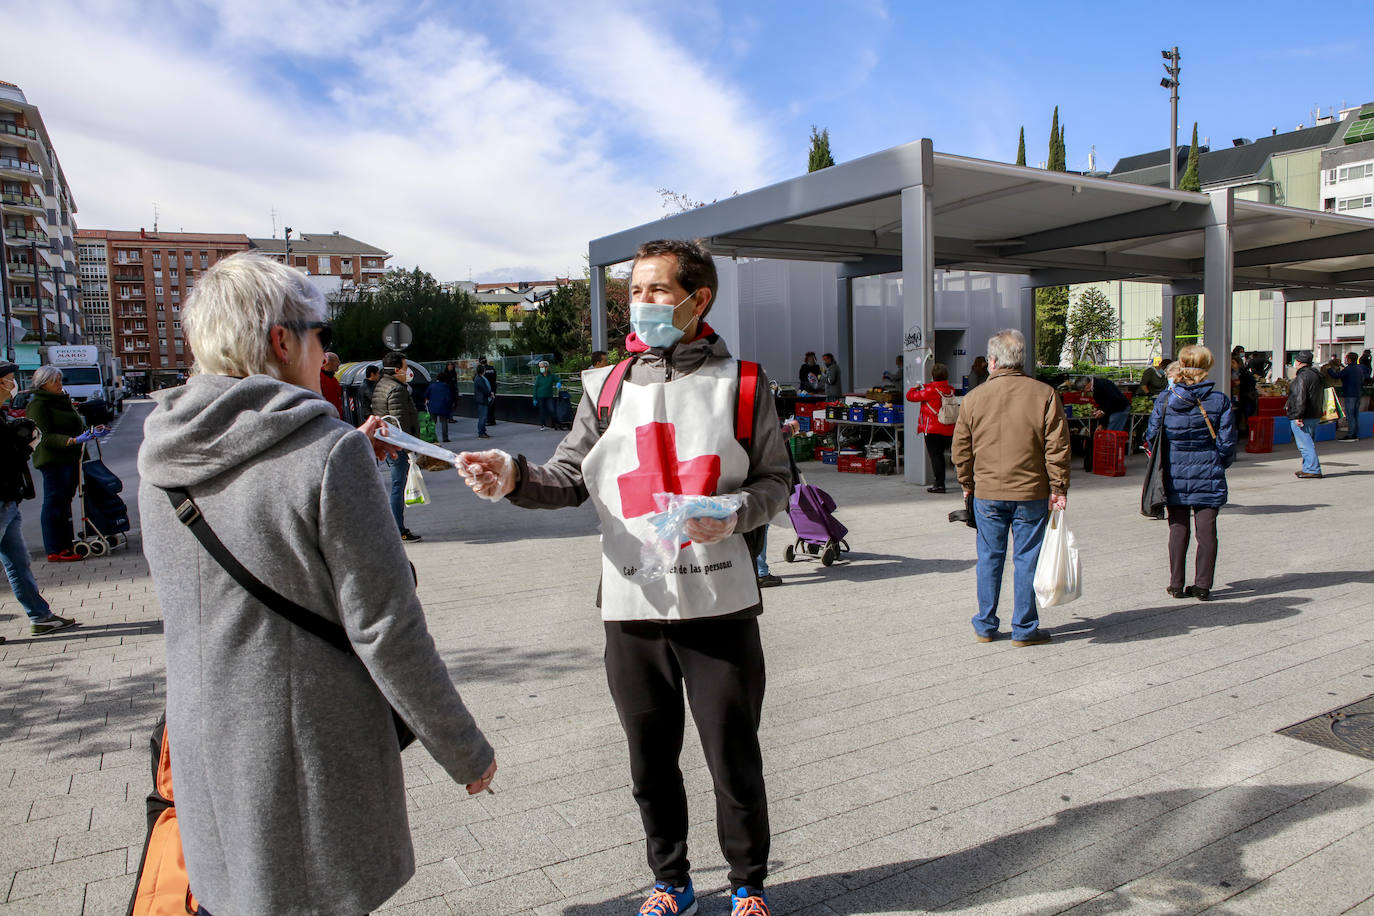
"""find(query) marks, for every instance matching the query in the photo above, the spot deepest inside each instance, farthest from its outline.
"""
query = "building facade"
(336, 260)
(38, 271)
(149, 277)
(1328, 166)
(92, 258)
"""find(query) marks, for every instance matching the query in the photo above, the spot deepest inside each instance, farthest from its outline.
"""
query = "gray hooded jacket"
(284, 757)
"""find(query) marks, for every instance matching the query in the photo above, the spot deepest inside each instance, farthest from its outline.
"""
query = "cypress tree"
(1021, 147)
(820, 157)
(1052, 302)
(1190, 181)
(1054, 140)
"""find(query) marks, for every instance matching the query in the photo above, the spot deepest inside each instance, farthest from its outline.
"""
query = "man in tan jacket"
(1011, 451)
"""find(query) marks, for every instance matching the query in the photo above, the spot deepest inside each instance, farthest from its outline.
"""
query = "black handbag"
(188, 513)
(1152, 499)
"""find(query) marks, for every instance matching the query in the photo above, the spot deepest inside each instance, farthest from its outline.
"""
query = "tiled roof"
(1223, 165)
(320, 243)
(180, 238)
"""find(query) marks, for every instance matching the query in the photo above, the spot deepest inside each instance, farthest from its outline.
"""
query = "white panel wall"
(785, 308)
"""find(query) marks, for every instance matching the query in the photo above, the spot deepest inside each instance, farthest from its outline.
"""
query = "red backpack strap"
(744, 411)
(610, 391)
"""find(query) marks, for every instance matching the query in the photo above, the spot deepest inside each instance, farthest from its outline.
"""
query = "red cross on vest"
(660, 471)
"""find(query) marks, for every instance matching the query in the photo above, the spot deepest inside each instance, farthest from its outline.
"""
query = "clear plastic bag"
(661, 545)
(390, 432)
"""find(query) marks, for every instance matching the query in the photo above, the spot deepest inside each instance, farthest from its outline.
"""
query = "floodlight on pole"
(1171, 83)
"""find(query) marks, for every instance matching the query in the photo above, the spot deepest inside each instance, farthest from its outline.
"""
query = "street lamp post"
(1170, 82)
(5, 297)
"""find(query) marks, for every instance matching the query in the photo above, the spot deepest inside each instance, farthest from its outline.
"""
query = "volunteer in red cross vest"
(681, 415)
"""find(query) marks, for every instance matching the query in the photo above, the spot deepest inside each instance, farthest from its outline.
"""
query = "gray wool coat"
(285, 764)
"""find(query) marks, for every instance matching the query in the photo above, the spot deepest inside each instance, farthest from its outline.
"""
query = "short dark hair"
(695, 268)
(393, 360)
(598, 354)
(371, 371)
(811, 353)
(939, 372)
(829, 356)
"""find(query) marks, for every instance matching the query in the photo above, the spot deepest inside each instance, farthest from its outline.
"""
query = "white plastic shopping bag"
(417, 494)
(1058, 575)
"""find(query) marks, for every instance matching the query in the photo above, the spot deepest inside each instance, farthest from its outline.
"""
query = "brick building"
(37, 248)
(329, 255)
(150, 275)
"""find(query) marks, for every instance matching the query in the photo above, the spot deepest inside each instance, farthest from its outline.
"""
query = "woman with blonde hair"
(1199, 444)
(285, 746)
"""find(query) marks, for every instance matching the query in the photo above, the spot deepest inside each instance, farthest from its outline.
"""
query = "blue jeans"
(400, 469)
(1025, 521)
(1352, 416)
(483, 410)
(1118, 420)
(1307, 446)
(548, 412)
(15, 555)
(440, 426)
(55, 518)
(761, 561)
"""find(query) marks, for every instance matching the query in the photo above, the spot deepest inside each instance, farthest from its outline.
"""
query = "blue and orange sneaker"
(667, 900)
(749, 901)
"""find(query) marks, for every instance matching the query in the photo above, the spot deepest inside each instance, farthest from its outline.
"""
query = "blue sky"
(493, 140)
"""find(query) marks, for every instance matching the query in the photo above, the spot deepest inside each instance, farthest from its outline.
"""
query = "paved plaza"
(1129, 766)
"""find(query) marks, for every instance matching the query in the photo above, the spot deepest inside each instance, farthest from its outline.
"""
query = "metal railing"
(33, 234)
(15, 130)
(22, 200)
(22, 165)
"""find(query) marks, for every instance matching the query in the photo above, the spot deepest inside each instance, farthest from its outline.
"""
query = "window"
(157, 259)
(176, 325)
(1356, 172)
(172, 274)
(162, 325)
(1349, 318)
(1326, 318)
(1355, 203)
(157, 291)
(187, 260)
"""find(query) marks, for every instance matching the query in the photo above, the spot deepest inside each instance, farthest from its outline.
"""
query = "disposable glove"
(490, 474)
(710, 530)
(83, 438)
(100, 432)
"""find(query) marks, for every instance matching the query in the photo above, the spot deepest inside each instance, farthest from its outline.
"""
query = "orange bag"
(163, 887)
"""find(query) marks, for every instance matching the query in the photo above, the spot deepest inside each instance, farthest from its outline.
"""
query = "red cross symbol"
(660, 471)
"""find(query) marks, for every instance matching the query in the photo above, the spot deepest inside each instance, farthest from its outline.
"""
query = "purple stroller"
(818, 532)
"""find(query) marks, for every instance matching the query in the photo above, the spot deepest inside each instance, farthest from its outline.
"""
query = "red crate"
(857, 464)
(818, 425)
(1261, 435)
(803, 409)
(1109, 452)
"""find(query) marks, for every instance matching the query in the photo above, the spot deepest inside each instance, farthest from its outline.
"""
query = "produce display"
(1273, 389)
(1142, 404)
(1082, 411)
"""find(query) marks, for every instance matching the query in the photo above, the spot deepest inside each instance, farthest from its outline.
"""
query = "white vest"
(669, 437)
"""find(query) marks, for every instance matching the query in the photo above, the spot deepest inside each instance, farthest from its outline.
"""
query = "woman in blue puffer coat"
(1199, 445)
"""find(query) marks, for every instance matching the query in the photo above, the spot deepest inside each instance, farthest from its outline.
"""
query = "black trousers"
(1204, 519)
(935, 448)
(721, 663)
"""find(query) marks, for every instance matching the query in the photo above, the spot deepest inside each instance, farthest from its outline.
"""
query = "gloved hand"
(490, 474)
(710, 530)
(100, 432)
(83, 438)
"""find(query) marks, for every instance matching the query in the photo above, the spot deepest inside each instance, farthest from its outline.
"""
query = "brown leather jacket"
(1011, 441)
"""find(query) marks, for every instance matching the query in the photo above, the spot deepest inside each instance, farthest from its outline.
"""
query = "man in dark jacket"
(16, 485)
(391, 398)
(1352, 386)
(490, 372)
(1305, 397)
(1111, 403)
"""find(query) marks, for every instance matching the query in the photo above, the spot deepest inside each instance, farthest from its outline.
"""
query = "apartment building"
(38, 272)
(1327, 166)
(149, 276)
(92, 258)
(337, 260)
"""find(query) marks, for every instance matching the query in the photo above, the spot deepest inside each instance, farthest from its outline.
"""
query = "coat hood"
(1187, 397)
(215, 423)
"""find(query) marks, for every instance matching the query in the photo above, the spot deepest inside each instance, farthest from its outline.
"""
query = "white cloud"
(416, 135)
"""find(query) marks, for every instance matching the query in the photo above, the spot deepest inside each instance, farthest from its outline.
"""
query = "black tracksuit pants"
(721, 663)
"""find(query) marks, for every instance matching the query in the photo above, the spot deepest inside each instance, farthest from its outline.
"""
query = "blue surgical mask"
(653, 323)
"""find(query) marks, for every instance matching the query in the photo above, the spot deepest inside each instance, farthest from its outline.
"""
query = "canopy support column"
(844, 330)
(918, 303)
(1218, 278)
(598, 296)
(1166, 323)
(1280, 356)
(1027, 310)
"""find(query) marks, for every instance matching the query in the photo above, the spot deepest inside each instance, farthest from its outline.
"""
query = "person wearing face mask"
(391, 398)
(17, 438)
(674, 409)
(58, 458)
(546, 384)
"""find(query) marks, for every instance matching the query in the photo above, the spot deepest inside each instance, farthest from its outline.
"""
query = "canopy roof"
(1057, 227)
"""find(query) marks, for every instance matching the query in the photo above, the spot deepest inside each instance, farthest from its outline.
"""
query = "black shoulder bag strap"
(188, 513)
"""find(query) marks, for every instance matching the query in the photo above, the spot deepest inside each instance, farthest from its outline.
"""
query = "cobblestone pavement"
(1129, 766)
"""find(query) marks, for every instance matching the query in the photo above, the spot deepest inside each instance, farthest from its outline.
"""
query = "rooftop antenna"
(274, 222)
(1092, 158)
(154, 217)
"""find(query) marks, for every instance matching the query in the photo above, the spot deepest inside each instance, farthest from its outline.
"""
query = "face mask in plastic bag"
(659, 550)
(391, 433)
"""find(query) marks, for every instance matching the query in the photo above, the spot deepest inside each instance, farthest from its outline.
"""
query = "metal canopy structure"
(914, 210)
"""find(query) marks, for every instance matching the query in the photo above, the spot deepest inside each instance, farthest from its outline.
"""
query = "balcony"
(25, 235)
(14, 130)
(22, 166)
(19, 267)
(26, 201)
(127, 278)
(27, 302)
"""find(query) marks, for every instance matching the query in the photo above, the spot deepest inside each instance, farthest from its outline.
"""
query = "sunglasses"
(326, 330)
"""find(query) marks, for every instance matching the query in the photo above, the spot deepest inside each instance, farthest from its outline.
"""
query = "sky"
(492, 141)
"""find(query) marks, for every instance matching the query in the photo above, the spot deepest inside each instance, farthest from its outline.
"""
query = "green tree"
(820, 157)
(1190, 181)
(560, 325)
(1092, 322)
(1056, 161)
(444, 325)
(1051, 317)
(1187, 328)
(1154, 330)
(1021, 147)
